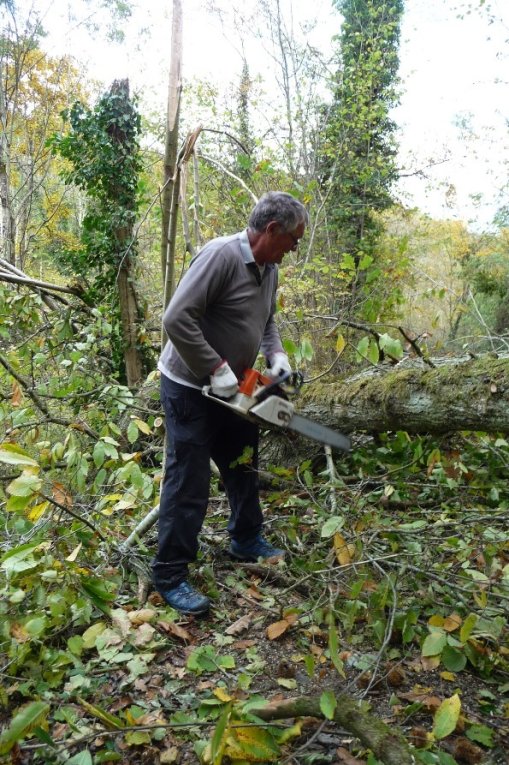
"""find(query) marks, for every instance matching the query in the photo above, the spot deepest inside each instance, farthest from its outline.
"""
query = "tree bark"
(130, 313)
(456, 394)
(169, 193)
(387, 743)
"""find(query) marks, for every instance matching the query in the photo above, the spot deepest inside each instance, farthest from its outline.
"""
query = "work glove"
(279, 365)
(223, 382)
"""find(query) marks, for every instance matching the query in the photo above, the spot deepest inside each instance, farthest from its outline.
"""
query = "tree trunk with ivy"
(359, 149)
(130, 313)
(103, 149)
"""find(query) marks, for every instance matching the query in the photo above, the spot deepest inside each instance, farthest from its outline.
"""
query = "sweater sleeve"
(198, 288)
(271, 342)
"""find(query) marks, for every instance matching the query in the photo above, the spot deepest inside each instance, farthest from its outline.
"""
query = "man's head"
(276, 224)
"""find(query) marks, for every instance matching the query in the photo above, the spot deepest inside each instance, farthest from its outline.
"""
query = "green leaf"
(137, 737)
(468, 627)
(10, 454)
(98, 453)
(362, 348)
(306, 350)
(434, 643)
(132, 432)
(334, 649)
(25, 485)
(373, 352)
(81, 758)
(218, 739)
(453, 659)
(332, 525)
(19, 559)
(481, 733)
(446, 717)
(391, 346)
(328, 704)
(22, 724)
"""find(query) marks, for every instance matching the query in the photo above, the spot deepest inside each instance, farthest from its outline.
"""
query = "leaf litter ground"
(394, 590)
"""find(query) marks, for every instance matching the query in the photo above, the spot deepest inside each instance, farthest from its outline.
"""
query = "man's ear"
(273, 228)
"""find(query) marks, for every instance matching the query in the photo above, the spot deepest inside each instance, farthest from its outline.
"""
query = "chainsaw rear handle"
(260, 386)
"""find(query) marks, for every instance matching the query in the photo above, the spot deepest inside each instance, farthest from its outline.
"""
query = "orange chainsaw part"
(251, 380)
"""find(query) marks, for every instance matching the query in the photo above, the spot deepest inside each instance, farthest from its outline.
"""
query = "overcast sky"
(455, 86)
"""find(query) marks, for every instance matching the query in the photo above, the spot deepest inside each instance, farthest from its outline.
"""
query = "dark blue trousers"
(199, 429)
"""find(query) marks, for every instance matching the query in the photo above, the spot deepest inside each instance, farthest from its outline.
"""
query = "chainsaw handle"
(295, 378)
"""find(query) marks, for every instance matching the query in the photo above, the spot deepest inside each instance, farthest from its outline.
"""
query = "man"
(220, 317)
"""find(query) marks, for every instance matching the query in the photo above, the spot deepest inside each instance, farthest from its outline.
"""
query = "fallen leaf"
(121, 622)
(169, 756)
(176, 630)
(430, 662)
(287, 682)
(452, 622)
(345, 756)
(276, 629)
(141, 616)
(241, 625)
(221, 694)
(252, 592)
(446, 717)
(241, 645)
(143, 635)
(341, 550)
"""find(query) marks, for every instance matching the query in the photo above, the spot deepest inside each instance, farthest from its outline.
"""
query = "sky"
(453, 132)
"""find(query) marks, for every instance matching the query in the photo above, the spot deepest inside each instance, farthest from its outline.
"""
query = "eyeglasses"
(294, 240)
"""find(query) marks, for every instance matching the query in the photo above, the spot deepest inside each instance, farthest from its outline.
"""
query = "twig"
(74, 515)
(81, 426)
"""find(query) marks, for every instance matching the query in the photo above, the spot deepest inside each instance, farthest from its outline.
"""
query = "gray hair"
(281, 207)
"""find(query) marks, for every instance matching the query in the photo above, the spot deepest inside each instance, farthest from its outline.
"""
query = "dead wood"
(387, 743)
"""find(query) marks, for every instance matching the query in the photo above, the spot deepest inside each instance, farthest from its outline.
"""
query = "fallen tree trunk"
(387, 743)
(456, 394)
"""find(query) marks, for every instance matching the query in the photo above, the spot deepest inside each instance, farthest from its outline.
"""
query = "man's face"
(279, 242)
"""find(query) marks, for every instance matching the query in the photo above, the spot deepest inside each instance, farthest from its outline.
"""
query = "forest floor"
(394, 590)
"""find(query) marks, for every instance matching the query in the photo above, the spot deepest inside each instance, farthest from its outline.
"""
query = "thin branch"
(81, 426)
(232, 175)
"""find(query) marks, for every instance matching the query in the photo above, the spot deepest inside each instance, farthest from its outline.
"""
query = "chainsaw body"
(265, 401)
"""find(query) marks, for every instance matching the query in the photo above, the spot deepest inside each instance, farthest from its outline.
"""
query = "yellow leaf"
(276, 629)
(449, 676)
(452, 622)
(72, 557)
(111, 721)
(221, 694)
(340, 344)
(436, 621)
(251, 744)
(341, 549)
(37, 511)
(287, 682)
(143, 426)
(293, 732)
(446, 717)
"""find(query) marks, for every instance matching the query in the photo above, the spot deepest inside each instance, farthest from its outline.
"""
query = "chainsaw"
(266, 402)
